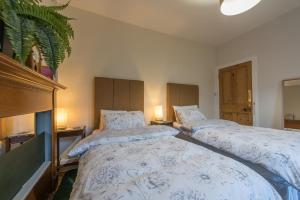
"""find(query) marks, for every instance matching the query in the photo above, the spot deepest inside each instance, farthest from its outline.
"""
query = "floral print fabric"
(102, 112)
(121, 136)
(165, 168)
(124, 120)
(186, 115)
(276, 150)
(194, 126)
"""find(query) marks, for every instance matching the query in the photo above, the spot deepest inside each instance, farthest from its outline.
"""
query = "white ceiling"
(197, 20)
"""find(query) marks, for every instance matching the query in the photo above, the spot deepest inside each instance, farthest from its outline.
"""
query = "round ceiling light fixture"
(235, 7)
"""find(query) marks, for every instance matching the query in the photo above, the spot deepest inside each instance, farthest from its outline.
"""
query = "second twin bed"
(273, 153)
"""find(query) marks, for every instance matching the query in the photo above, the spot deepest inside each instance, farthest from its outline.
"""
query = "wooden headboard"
(117, 94)
(180, 95)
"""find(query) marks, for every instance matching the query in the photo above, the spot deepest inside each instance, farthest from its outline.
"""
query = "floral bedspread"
(100, 137)
(193, 126)
(276, 150)
(165, 168)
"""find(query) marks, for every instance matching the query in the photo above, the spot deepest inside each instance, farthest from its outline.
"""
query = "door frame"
(254, 87)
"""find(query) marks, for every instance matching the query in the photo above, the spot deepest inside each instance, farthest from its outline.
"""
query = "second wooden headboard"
(180, 95)
(117, 94)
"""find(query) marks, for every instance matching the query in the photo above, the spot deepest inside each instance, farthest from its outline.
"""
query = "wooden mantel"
(29, 170)
(31, 90)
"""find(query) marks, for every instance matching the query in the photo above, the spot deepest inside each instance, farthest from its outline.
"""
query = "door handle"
(247, 109)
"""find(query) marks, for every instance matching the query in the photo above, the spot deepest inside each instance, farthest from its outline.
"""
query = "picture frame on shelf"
(34, 61)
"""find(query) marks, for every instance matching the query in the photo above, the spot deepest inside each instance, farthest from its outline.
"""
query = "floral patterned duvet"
(164, 168)
(276, 150)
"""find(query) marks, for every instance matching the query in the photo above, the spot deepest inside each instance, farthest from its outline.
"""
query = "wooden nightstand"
(18, 139)
(69, 132)
(166, 123)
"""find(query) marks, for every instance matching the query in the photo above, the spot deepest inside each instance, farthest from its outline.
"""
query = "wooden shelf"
(23, 90)
(12, 70)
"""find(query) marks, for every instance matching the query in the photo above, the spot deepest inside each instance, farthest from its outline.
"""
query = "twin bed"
(272, 153)
(129, 160)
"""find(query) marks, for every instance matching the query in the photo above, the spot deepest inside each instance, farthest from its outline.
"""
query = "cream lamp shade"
(158, 112)
(235, 7)
(61, 118)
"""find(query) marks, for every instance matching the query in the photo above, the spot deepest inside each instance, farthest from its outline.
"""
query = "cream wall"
(275, 46)
(13, 125)
(109, 48)
(17, 124)
(105, 47)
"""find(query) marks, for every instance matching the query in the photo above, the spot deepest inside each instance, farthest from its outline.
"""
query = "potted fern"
(29, 24)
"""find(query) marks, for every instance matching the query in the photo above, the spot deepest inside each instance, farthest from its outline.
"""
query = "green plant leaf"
(20, 32)
(57, 21)
(50, 46)
(28, 23)
(22, 39)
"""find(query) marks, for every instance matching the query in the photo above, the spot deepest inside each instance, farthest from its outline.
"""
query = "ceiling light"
(235, 7)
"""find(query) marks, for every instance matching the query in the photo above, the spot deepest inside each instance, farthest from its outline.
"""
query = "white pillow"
(182, 108)
(138, 119)
(186, 116)
(102, 112)
(123, 120)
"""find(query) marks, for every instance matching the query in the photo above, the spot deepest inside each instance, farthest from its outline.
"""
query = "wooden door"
(235, 85)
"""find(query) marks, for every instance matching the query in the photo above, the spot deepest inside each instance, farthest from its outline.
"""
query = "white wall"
(276, 46)
(109, 48)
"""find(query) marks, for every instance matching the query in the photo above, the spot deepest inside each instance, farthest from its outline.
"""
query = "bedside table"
(64, 133)
(17, 139)
(166, 123)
